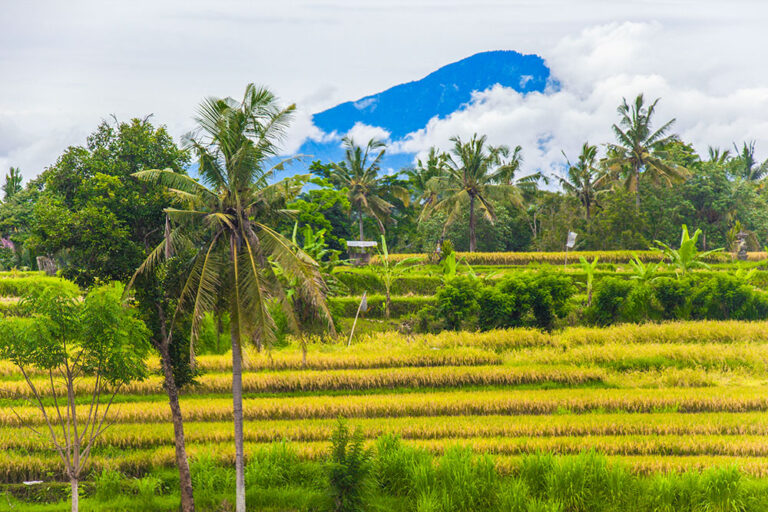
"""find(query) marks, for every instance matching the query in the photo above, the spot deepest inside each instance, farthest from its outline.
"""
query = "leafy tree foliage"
(91, 214)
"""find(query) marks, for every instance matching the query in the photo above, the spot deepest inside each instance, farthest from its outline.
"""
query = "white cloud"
(596, 69)
(361, 133)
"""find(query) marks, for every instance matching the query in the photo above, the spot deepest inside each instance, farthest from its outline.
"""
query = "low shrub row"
(524, 258)
(359, 281)
(717, 297)
(521, 300)
(347, 306)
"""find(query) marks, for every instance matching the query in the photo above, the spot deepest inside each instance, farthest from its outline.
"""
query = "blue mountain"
(408, 107)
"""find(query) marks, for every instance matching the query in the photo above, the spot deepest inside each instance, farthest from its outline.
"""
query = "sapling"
(67, 338)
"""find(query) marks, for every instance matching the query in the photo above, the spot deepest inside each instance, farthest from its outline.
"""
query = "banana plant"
(313, 243)
(687, 257)
(644, 272)
(390, 271)
(589, 269)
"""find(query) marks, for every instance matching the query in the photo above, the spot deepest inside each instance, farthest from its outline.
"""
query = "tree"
(92, 215)
(359, 175)
(226, 222)
(67, 339)
(746, 166)
(420, 176)
(639, 149)
(584, 178)
(474, 174)
(323, 207)
(12, 184)
(158, 292)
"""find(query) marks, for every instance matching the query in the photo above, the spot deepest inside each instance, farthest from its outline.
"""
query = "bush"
(457, 301)
(724, 297)
(525, 300)
(348, 470)
(608, 301)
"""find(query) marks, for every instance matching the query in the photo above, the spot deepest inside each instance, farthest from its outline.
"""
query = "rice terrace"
(521, 283)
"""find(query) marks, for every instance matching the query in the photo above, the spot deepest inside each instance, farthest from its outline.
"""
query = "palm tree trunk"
(472, 239)
(360, 223)
(587, 205)
(185, 478)
(637, 189)
(237, 395)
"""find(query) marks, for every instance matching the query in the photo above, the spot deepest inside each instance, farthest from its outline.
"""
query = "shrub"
(457, 301)
(673, 297)
(724, 297)
(608, 301)
(349, 469)
(525, 300)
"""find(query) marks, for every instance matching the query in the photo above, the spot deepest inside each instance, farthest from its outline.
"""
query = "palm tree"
(359, 174)
(12, 185)
(718, 156)
(419, 176)
(226, 219)
(473, 176)
(640, 149)
(584, 178)
(747, 167)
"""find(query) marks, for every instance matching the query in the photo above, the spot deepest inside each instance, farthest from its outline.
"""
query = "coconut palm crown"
(359, 175)
(639, 150)
(475, 174)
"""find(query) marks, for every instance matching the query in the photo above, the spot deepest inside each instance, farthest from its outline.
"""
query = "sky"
(65, 66)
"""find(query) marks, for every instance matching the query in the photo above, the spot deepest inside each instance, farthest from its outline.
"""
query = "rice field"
(668, 397)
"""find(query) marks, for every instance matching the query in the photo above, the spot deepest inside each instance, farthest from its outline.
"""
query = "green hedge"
(347, 306)
(359, 281)
(18, 286)
(524, 258)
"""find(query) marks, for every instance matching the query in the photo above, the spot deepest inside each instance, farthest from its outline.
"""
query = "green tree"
(584, 178)
(475, 174)
(158, 291)
(639, 148)
(97, 220)
(746, 166)
(359, 175)
(226, 220)
(325, 208)
(67, 339)
(12, 185)
(420, 176)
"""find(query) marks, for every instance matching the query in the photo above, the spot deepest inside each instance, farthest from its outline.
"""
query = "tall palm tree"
(584, 178)
(747, 166)
(420, 176)
(475, 174)
(359, 174)
(12, 185)
(639, 149)
(226, 219)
